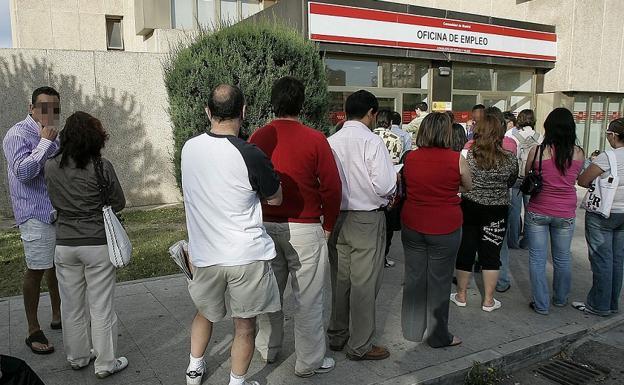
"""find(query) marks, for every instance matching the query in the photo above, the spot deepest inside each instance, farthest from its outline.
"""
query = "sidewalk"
(155, 316)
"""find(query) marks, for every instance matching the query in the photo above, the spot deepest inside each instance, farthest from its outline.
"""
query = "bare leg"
(243, 345)
(201, 331)
(55, 298)
(463, 278)
(490, 277)
(31, 290)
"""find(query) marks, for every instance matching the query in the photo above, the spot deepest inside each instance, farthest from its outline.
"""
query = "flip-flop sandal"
(56, 325)
(582, 307)
(456, 342)
(39, 337)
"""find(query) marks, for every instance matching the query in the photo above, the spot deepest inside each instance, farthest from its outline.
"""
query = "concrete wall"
(124, 90)
(590, 36)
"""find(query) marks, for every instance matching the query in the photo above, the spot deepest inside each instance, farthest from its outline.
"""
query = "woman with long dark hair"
(484, 208)
(605, 236)
(83, 267)
(552, 212)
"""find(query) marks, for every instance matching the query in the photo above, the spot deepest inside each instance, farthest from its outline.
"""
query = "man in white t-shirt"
(223, 180)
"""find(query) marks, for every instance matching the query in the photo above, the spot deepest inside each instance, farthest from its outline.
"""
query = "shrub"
(252, 56)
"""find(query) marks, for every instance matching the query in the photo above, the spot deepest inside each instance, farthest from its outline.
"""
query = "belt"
(382, 208)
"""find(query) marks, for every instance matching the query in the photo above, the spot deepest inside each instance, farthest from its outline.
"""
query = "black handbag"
(533, 182)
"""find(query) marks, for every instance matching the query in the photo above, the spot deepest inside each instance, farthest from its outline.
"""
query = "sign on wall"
(363, 26)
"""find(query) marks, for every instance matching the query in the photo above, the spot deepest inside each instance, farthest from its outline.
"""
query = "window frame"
(113, 19)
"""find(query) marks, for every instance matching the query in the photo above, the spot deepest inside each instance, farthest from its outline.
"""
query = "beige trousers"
(302, 255)
(356, 256)
(86, 280)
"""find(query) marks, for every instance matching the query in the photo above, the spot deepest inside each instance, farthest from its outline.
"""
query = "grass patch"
(151, 232)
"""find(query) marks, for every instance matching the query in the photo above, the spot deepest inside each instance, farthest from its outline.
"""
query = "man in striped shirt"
(27, 146)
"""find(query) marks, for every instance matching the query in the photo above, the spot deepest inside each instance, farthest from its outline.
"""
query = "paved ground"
(155, 316)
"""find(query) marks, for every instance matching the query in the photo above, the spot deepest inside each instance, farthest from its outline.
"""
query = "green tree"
(251, 56)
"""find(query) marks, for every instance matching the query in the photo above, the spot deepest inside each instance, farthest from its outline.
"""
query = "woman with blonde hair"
(494, 170)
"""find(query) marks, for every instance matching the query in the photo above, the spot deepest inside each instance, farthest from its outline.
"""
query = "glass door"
(493, 100)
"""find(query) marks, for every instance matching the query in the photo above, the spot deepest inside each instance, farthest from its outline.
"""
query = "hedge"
(251, 56)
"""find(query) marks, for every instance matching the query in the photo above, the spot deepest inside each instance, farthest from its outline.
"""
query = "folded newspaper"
(179, 254)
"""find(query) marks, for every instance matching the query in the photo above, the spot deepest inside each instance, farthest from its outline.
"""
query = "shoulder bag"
(119, 246)
(532, 183)
(601, 193)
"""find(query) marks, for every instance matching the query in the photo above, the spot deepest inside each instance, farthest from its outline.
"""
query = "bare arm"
(589, 175)
(531, 158)
(465, 174)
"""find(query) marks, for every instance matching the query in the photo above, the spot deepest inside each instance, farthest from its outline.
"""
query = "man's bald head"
(226, 102)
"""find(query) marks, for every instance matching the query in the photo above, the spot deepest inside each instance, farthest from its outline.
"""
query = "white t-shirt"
(223, 178)
(602, 161)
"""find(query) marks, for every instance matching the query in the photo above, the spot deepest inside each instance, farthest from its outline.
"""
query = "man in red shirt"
(311, 189)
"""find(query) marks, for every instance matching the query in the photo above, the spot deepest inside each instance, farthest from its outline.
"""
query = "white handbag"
(119, 246)
(601, 193)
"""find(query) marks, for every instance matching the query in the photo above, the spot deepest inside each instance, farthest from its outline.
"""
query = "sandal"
(40, 338)
(580, 306)
(456, 341)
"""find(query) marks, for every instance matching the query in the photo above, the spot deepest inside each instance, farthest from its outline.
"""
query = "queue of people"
(291, 203)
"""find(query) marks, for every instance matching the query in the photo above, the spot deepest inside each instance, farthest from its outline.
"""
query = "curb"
(508, 357)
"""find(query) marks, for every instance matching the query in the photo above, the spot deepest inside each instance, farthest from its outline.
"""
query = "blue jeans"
(538, 228)
(517, 201)
(605, 241)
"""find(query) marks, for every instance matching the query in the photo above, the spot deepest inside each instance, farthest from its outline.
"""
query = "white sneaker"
(497, 305)
(327, 366)
(251, 383)
(456, 301)
(120, 364)
(194, 377)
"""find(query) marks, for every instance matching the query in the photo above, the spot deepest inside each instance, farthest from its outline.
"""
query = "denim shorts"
(39, 240)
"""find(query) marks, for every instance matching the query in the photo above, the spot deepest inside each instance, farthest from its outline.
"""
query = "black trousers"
(17, 372)
(429, 266)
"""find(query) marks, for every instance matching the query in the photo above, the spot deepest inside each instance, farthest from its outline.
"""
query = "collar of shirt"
(356, 126)
(30, 123)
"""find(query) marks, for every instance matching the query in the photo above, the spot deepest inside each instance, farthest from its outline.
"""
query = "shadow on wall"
(129, 147)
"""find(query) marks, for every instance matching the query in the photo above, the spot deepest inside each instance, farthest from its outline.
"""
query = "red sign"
(580, 116)
(462, 116)
(408, 116)
(337, 116)
(614, 115)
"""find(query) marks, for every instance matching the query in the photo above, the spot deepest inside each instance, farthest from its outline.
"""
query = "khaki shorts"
(39, 240)
(252, 290)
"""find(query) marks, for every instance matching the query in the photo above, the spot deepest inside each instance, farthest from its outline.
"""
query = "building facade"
(123, 25)
(513, 54)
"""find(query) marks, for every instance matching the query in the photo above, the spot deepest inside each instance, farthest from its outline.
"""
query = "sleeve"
(24, 162)
(381, 169)
(411, 127)
(116, 195)
(330, 186)
(602, 161)
(262, 175)
(408, 143)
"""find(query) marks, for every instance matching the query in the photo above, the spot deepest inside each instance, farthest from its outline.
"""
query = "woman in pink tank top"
(552, 212)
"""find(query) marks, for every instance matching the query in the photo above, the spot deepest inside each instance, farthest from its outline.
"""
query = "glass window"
(183, 17)
(462, 107)
(229, 10)
(114, 36)
(206, 12)
(250, 7)
(514, 80)
(519, 103)
(469, 78)
(336, 106)
(409, 105)
(597, 123)
(405, 75)
(580, 117)
(347, 72)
